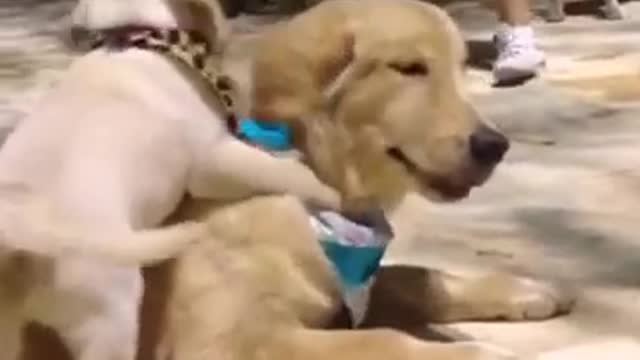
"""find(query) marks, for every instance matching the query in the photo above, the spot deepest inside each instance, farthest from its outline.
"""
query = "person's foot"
(518, 56)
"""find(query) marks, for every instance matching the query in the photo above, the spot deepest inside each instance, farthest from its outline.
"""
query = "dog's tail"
(30, 223)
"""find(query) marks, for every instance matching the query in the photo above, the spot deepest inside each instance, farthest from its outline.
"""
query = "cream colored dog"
(377, 96)
(111, 152)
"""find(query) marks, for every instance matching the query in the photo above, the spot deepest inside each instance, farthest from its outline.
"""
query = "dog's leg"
(555, 11)
(105, 321)
(375, 344)
(250, 170)
(417, 294)
(613, 10)
(10, 333)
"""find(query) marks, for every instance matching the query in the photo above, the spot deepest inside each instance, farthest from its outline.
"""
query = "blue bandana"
(355, 245)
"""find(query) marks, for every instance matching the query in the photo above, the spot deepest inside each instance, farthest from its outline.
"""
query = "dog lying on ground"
(611, 10)
(109, 153)
(377, 98)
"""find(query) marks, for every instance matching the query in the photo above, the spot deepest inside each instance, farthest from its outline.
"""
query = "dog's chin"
(441, 190)
(453, 187)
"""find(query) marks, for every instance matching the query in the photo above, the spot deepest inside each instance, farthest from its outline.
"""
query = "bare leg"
(403, 296)
(514, 12)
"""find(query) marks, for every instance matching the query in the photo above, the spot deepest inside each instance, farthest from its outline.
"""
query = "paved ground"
(565, 205)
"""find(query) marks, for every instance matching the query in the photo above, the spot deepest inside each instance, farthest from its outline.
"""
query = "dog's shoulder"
(258, 206)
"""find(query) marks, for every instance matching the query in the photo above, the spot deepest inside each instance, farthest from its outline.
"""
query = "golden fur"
(390, 77)
(261, 287)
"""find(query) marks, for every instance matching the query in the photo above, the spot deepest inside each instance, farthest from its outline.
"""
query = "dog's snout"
(488, 146)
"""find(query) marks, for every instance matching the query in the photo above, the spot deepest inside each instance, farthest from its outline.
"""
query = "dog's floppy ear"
(293, 78)
(340, 84)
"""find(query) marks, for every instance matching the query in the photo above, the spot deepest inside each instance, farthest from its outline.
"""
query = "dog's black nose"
(488, 146)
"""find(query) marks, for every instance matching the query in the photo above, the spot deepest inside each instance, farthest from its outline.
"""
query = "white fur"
(103, 14)
(110, 152)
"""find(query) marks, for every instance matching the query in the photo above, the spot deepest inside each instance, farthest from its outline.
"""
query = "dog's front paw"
(526, 299)
(473, 350)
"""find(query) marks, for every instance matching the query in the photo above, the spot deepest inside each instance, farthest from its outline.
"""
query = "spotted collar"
(188, 47)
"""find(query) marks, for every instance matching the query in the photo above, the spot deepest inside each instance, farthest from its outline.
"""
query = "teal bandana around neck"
(354, 244)
(273, 136)
(355, 247)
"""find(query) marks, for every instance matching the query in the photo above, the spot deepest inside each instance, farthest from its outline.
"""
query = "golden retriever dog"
(375, 92)
(108, 153)
(261, 287)
(377, 97)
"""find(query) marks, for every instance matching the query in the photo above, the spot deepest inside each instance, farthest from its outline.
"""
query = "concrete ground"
(564, 206)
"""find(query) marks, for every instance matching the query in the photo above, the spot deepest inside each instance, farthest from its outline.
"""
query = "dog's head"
(393, 115)
(203, 16)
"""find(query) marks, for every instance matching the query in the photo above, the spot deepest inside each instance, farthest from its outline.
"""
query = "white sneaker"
(518, 56)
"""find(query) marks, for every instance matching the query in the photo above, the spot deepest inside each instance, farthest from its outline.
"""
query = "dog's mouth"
(445, 188)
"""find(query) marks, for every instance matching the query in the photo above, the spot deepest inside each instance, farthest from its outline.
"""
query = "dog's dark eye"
(397, 154)
(410, 68)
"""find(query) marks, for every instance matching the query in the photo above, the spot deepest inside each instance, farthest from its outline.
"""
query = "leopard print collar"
(189, 47)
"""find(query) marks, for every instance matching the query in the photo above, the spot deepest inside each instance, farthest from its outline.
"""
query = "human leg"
(518, 55)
